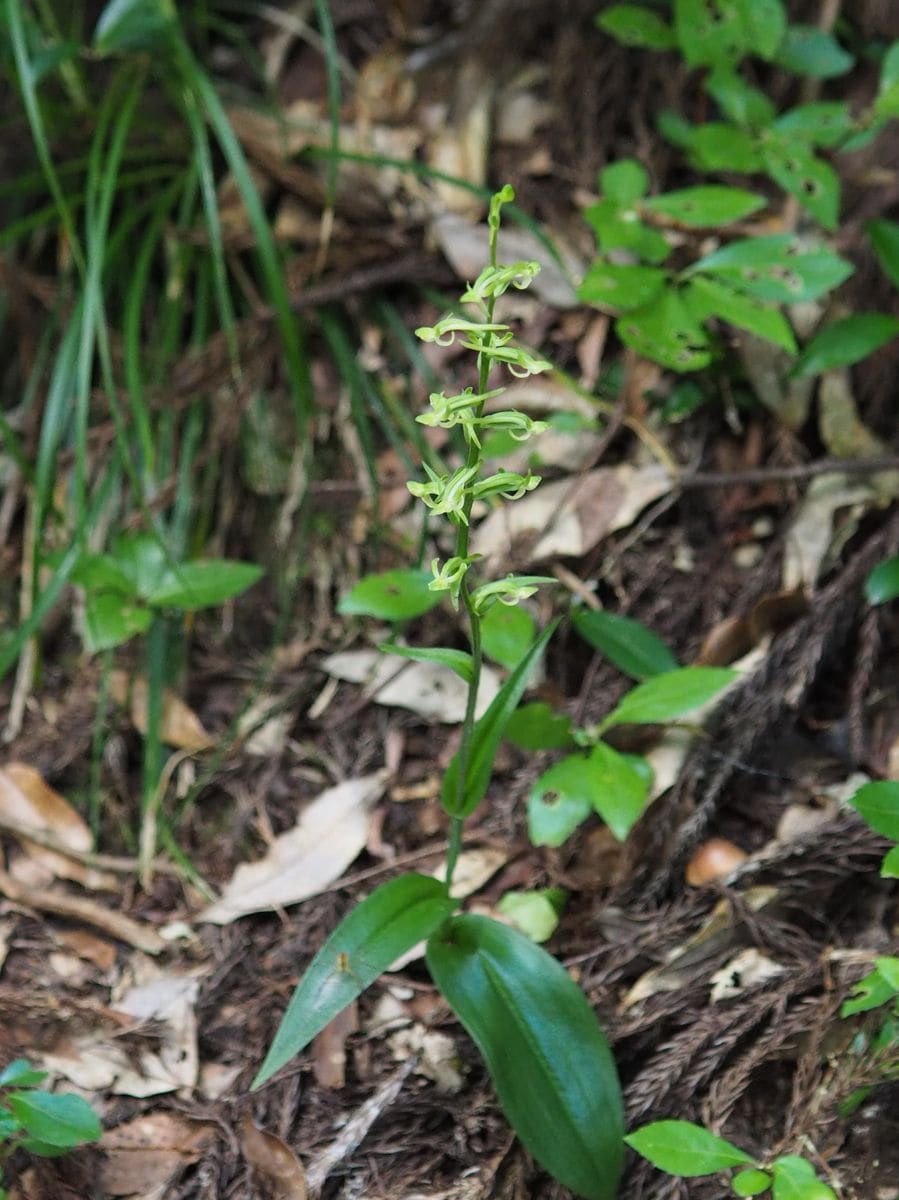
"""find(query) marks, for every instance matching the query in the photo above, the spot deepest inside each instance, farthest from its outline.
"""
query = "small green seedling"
(43, 1123)
(549, 1060)
(689, 1151)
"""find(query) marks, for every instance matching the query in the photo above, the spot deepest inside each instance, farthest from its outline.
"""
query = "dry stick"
(102, 862)
(797, 474)
(76, 908)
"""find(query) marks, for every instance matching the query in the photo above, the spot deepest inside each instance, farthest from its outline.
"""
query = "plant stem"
(475, 454)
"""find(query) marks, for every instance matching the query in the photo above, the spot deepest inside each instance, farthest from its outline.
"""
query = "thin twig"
(102, 862)
(797, 474)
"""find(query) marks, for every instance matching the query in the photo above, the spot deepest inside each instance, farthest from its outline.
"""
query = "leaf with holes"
(813, 182)
(665, 332)
(560, 801)
(709, 32)
(824, 123)
(716, 146)
(764, 25)
(771, 268)
(550, 1063)
(618, 228)
(623, 287)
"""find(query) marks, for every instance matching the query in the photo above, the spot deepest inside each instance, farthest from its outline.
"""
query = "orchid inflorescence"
(452, 493)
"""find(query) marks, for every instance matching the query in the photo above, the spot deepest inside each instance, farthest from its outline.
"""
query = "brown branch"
(798, 474)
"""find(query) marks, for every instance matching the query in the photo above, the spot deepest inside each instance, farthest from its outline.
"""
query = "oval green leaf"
(374, 934)
(884, 237)
(772, 268)
(550, 1063)
(795, 1179)
(823, 123)
(457, 660)
(390, 596)
(751, 1182)
(889, 868)
(63, 1120)
(741, 103)
(621, 286)
(813, 182)
(807, 50)
(618, 788)
(708, 204)
(507, 630)
(461, 795)
(111, 618)
(684, 1149)
(888, 967)
(536, 727)
(203, 583)
(709, 35)
(846, 342)
(665, 332)
(634, 25)
(560, 800)
(670, 695)
(709, 297)
(878, 804)
(624, 181)
(883, 582)
(20, 1073)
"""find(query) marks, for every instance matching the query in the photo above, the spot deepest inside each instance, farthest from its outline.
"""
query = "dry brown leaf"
(168, 1000)
(278, 1170)
(331, 832)
(568, 517)
(27, 800)
(143, 1156)
(87, 946)
(181, 727)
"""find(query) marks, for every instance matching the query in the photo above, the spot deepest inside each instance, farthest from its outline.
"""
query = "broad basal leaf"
(632, 647)
(548, 1058)
(462, 792)
(374, 934)
(682, 1148)
(667, 696)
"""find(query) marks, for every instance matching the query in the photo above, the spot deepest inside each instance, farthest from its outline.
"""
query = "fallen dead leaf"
(168, 1000)
(87, 946)
(278, 1170)
(436, 1056)
(463, 242)
(569, 516)
(473, 869)
(143, 1157)
(750, 967)
(811, 533)
(331, 832)
(27, 800)
(180, 728)
(432, 692)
